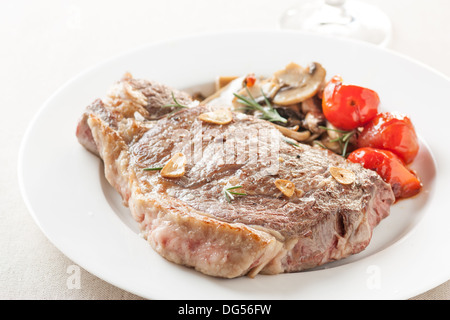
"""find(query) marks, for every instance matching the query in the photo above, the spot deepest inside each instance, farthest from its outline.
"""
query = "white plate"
(65, 191)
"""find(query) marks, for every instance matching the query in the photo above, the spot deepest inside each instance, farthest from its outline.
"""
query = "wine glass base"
(355, 20)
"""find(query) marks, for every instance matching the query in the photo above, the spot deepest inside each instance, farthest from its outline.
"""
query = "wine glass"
(344, 18)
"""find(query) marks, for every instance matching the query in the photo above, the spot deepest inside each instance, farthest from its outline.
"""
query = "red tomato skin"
(391, 131)
(404, 183)
(348, 107)
(250, 80)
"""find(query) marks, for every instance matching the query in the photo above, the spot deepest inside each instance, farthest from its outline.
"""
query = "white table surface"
(45, 43)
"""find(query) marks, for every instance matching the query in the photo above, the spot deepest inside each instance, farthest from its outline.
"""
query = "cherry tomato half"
(347, 106)
(404, 183)
(393, 132)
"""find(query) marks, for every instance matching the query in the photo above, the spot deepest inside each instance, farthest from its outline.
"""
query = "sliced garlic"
(220, 116)
(296, 135)
(285, 186)
(299, 192)
(343, 176)
(175, 167)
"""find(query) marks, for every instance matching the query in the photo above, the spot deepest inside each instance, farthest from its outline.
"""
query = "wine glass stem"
(339, 5)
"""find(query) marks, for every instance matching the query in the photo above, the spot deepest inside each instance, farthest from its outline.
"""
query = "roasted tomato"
(347, 106)
(250, 80)
(404, 182)
(393, 132)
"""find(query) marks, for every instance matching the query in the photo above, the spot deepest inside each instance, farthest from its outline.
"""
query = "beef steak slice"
(190, 221)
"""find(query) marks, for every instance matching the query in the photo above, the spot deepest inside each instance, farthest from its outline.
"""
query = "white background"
(45, 43)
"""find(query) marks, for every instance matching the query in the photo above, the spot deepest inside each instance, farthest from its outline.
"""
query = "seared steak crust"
(190, 221)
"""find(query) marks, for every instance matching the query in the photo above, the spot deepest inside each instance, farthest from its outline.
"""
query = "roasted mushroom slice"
(330, 144)
(293, 75)
(297, 83)
(296, 135)
(292, 114)
(311, 105)
(338, 141)
(313, 122)
(262, 89)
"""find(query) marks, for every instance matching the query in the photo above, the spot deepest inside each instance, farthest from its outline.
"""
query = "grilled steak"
(193, 220)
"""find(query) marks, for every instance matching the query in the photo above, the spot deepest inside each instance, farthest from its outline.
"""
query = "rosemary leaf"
(235, 187)
(320, 144)
(291, 143)
(229, 194)
(336, 130)
(153, 169)
(176, 104)
(347, 136)
(268, 112)
(343, 140)
(238, 193)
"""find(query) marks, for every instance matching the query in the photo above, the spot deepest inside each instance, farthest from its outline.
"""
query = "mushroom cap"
(297, 83)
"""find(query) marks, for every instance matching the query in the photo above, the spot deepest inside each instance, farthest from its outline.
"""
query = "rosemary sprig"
(176, 104)
(268, 112)
(320, 144)
(229, 195)
(153, 169)
(291, 143)
(334, 129)
(343, 140)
